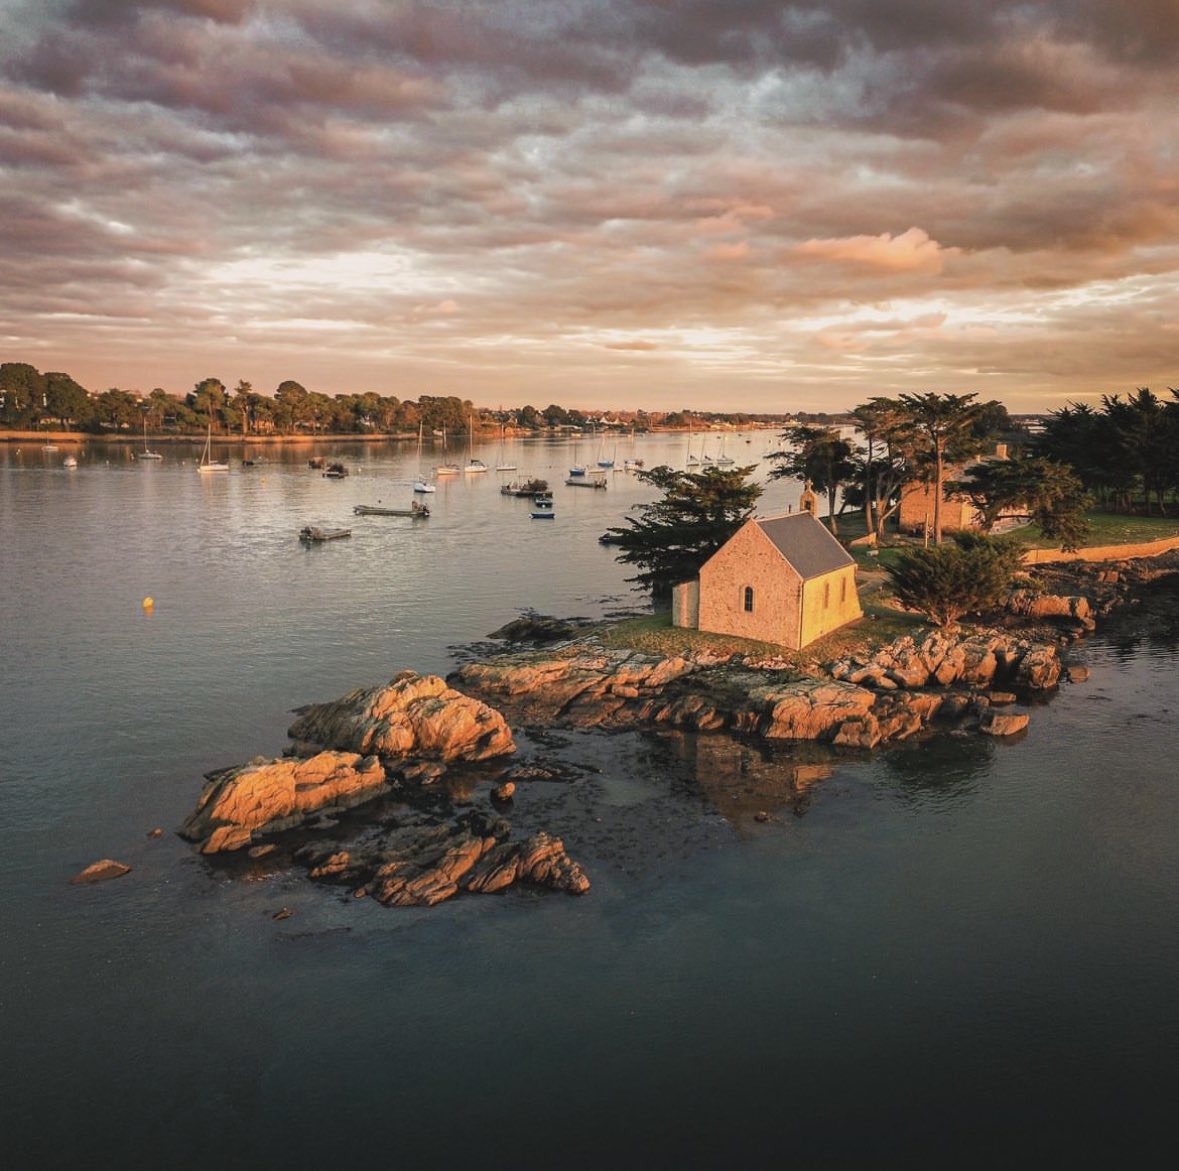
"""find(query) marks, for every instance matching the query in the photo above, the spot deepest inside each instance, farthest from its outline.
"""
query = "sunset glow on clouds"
(709, 203)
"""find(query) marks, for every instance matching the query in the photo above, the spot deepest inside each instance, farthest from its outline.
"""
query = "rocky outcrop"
(889, 696)
(425, 863)
(413, 716)
(1003, 723)
(100, 871)
(266, 796)
(1071, 608)
(940, 660)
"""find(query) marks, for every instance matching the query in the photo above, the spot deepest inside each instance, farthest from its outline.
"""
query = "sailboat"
(472, 464)
(146, 453)
(447, 469)
(602, 461)
(577, 469)
(722, 460)
(421, 484)
(503, 465)
(692, 460)
(208, 463)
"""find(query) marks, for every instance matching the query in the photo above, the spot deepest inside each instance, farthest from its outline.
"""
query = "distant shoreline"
(170, 437)
(486, 435)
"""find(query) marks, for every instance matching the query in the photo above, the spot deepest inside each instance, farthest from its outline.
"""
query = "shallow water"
(960, 951)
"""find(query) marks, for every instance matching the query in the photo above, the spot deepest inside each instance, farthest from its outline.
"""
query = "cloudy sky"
(658, 203)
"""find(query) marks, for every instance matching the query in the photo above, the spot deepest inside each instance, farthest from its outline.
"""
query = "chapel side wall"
(749, 559)
(685, 605)
(829, 602)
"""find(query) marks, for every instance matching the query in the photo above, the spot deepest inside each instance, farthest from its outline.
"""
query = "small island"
(358, 800)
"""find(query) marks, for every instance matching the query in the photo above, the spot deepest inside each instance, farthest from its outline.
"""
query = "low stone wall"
(1103, 552)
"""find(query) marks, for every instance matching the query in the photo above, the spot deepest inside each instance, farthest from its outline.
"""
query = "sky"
(713, 204)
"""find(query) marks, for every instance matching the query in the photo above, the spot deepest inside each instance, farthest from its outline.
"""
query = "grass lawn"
(654, 634)
(1111, 528)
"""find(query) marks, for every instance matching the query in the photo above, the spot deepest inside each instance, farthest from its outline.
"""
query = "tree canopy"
(819, 456)
(944, 582)
(672, 537)
(1049, 493)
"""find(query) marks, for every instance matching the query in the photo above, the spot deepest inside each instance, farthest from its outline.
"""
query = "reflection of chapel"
(780, 579)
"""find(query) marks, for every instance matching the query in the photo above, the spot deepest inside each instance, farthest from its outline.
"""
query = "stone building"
(915, 514)
(781, 579)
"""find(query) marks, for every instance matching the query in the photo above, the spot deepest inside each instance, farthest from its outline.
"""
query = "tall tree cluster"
(1126, 453)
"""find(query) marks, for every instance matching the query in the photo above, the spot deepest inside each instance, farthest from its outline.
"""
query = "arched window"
(749, 599)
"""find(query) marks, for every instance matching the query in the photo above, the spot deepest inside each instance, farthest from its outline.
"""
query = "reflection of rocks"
(741, 780)
(413, 716)
(266, 796)
(425, 862)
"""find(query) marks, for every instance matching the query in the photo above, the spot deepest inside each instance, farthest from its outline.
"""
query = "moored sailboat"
(208, 463)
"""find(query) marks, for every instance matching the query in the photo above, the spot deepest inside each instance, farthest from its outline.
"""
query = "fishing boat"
(416, 510)
(208, 463)
(316, 461)
(147, 453)
(542, 508)
(526, 488)
(586, 482)
(314, 535)
(633, 465)
(69, 462)
(335, 471)
(423, 486)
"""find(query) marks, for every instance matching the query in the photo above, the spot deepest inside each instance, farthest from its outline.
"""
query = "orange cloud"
(911, 251)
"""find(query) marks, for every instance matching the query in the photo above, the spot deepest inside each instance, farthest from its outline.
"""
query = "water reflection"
(740, 779)
(946, 768)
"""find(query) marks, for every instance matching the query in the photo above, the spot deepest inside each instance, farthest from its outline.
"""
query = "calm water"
(964, 952)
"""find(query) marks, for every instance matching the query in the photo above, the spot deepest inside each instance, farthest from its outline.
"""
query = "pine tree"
(672, 537)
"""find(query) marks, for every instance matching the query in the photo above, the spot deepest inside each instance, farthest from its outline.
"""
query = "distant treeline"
(31, 400)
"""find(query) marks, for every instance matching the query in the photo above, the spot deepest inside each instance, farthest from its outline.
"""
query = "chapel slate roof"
(806, 544)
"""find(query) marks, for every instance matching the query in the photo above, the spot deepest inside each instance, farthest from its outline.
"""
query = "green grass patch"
(1111, 528)
(654, 634)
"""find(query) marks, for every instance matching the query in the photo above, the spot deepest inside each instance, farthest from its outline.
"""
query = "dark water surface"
(961, 953)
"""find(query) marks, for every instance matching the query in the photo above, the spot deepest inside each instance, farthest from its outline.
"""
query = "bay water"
(963, 951)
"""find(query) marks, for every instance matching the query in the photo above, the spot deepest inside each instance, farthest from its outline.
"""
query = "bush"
(947, 581)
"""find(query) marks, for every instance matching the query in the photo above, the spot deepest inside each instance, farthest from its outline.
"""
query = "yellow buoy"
(148, 602)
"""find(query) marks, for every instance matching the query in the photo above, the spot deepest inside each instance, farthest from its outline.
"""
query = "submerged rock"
(412, 716)
(100, 871)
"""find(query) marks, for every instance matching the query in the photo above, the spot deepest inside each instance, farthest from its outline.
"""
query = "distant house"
(915, 514)
(779, 579)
